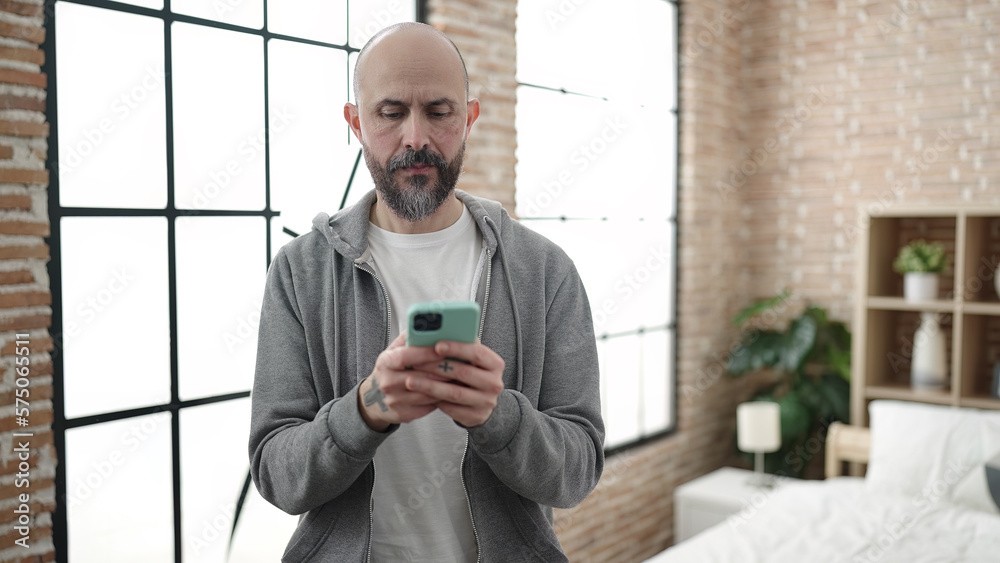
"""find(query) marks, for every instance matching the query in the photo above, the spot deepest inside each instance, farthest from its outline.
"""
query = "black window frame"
(671, 324)
(171, 213)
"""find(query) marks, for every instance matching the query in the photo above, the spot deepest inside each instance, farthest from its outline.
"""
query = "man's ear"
(353, 119)
(472, 115)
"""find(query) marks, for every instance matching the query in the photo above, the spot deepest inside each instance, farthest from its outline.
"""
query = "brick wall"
(793, 115)
(484, 32)
(27, 456)
(888, 103)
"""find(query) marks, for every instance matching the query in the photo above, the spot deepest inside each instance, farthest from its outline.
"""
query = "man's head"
(412, 116)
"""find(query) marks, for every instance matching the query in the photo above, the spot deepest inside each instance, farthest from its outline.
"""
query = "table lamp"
(758, 430)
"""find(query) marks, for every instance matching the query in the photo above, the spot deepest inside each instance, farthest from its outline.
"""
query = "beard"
(417, 199)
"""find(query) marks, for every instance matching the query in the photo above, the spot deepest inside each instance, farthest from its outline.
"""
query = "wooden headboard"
(845, 443)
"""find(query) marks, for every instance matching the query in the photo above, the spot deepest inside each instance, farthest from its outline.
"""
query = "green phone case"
(427, 323)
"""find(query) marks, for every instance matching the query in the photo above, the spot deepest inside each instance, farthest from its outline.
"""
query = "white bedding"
(842, 520)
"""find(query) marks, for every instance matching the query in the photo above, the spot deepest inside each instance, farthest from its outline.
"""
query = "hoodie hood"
(347, 230)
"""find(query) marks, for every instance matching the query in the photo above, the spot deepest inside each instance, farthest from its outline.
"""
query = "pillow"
(933, 452)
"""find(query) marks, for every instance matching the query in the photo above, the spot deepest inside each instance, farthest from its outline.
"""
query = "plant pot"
(929, 368)
(920, 286)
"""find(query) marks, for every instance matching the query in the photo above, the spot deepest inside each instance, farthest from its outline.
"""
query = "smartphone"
(427, 323)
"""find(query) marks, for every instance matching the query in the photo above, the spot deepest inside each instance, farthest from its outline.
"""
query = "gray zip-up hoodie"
(324, 320)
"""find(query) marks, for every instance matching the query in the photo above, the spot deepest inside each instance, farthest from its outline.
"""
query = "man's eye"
(439, 114)
(392, 114)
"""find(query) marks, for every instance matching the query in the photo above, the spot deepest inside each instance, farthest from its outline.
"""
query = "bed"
(924, 498)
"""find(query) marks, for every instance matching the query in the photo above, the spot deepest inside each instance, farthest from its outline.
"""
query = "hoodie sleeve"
(302, 454)
(552, 454)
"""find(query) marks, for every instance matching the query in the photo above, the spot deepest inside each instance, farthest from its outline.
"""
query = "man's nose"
(415, 134)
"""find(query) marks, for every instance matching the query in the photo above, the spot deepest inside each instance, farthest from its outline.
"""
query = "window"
(596, 172)
(190, 139)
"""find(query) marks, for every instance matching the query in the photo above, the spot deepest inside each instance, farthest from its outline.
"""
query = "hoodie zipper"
(475, 532)
(486, 294)
(388, 305)
(482, 324)
(388, 334)
(371, 515)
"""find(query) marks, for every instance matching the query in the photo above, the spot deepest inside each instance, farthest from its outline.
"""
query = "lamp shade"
(758, 426)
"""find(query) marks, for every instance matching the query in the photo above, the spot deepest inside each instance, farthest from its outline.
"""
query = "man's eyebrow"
(388, 102)
(443, 102)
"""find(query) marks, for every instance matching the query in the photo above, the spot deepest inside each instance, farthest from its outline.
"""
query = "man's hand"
(467, 392)
(384, 397)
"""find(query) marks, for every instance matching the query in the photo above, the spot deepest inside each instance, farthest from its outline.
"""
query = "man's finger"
(474, 353)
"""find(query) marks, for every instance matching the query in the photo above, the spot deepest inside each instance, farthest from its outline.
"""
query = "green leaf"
(921, 256)
(798, 343)
(757, 351)
(837, 395)
(759, 307)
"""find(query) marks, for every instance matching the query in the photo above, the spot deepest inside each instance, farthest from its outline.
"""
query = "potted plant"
(811, 360)
(920, 262)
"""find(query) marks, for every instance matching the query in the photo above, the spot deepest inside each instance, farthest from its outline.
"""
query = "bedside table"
(704, 502)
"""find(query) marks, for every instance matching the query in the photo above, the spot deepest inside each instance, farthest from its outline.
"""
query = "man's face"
(412, 118)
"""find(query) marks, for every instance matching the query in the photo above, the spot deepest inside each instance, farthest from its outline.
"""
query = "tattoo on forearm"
(375, 395)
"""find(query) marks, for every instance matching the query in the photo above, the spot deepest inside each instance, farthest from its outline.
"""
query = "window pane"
(118, 491)
(310, 159)
(246, 13)
(368, 17)
(608, 160)
(631, 285)
(112, 132)
(320, 20)
(621, 405)
(568, 47)
(115, 313)
(220, 282)
(219, 139)
(656, 392)
(208, 498)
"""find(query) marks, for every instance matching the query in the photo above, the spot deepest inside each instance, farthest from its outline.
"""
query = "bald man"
(455, 452)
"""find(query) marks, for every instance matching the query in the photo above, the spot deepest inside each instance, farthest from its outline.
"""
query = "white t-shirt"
(420, 509)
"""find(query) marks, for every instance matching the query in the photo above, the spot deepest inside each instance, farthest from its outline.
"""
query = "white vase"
(928, 368)
(920, 286)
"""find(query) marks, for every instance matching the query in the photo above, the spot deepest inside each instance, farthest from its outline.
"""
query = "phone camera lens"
(427, 322)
